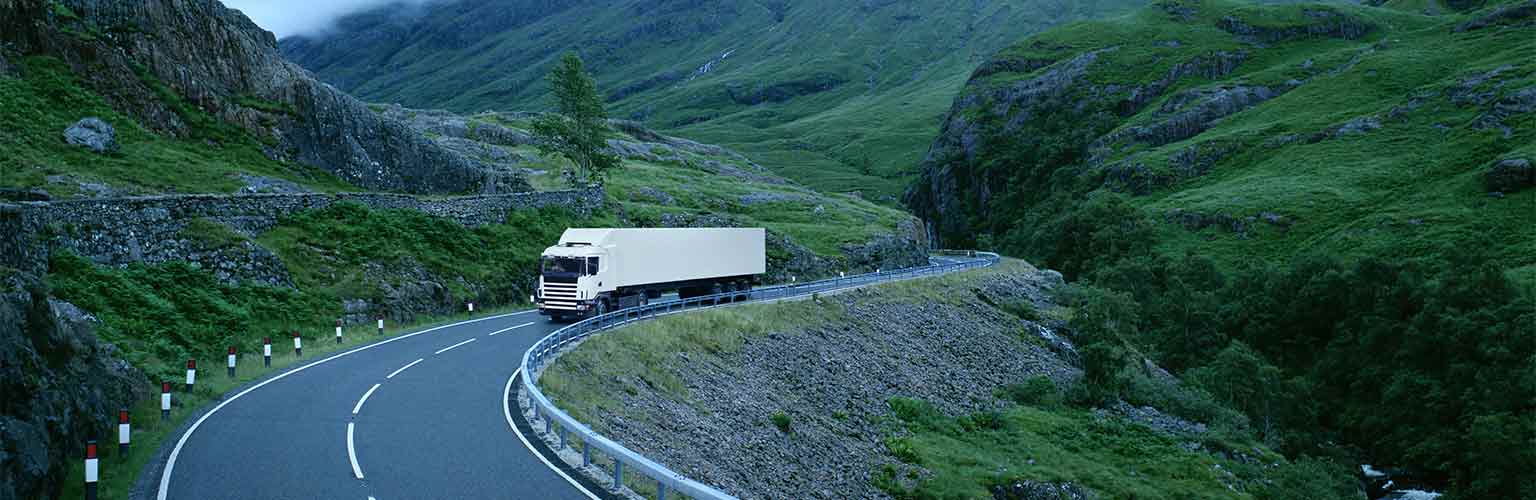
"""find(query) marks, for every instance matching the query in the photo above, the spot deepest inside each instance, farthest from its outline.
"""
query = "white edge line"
(360, 402)
(446, 349)
(503, 330)
(506, 409)
(397, 372)
(170, 462)
(352, 453)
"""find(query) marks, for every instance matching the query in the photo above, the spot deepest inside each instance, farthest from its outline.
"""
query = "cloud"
(306, 17)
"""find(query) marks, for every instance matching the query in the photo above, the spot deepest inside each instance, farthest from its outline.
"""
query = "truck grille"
(559, 296)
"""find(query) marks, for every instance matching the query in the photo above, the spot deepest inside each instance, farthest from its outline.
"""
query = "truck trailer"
(593, 271)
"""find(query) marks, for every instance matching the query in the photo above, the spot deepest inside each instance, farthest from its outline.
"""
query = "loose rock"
(93, 133)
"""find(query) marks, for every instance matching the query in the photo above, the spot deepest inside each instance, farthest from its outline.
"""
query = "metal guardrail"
(548, 348)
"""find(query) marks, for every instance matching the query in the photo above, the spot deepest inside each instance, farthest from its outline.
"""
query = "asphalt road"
(419, 416)
(435, 430)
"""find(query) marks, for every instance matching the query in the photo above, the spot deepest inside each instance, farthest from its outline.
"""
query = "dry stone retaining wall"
(119, 231)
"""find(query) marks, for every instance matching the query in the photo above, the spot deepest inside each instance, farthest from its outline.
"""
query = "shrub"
(781, 420)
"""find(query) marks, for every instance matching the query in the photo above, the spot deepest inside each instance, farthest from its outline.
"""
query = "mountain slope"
(1251, 131)
(838, 95)
(193, 69)
(1321, 215)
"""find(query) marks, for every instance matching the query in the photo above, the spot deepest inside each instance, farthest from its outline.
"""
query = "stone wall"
(119, 231)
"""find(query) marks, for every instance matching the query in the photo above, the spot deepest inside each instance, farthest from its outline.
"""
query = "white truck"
(593, 271)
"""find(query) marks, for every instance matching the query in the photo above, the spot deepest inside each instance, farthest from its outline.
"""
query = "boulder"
(93, 133)
(1509, 176)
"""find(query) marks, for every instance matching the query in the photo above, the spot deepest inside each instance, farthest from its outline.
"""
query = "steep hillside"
(841, 96)
(1252, 131)
(198, 90)
(1321, 214)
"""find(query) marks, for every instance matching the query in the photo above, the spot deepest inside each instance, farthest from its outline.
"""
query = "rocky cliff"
(167, 62)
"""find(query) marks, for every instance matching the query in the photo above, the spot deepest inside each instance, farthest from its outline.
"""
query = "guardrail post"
(661, 490)
(586, 453)
(618, 474)
(563, 433)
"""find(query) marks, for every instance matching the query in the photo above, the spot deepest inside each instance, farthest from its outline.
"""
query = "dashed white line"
(506, 410)
(493, 334)
(170, 462)
(397, 372)
(352, 453)
(360, 402)
(446, 349)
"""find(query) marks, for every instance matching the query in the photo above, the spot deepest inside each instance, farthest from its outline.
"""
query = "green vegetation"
(47, 98)
(160, 315)
(579, 129)
(968, 455)
(719, 184)
(780, 420)
(765, 78)
(1329, 263)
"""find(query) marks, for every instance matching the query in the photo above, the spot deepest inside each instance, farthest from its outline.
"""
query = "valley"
(1249, 249)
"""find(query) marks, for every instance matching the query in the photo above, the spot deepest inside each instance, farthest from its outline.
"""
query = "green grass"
(967, 455)
(48, 98)
(1412, 187)
(118, 472)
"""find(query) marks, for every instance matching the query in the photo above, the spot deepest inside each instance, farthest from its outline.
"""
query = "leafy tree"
(579, 130)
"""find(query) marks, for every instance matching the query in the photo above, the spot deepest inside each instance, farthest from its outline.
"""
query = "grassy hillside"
(841, 96)
(1306, 208)
(46, 98)
(1367, 143)
(666, 180)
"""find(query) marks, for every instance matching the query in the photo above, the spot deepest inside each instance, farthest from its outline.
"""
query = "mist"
(305, 17)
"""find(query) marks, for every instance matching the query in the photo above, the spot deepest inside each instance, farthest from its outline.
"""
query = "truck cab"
(571, 280)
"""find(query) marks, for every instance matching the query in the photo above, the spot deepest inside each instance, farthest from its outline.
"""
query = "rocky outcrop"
(221, 63)
(94, 134)
(59, 386)
(1318, 23)
(1508, 14)
(1509, 176)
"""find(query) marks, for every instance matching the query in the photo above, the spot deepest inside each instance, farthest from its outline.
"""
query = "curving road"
(433, 428)
(420, 415)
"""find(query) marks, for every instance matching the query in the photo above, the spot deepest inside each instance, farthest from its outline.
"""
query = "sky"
(304, 17)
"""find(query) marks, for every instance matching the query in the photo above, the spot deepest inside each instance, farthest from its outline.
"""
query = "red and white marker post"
(191, 374)
(92, 470)
(123, 433)
(266, 352)
(231, 361)
(338, 331)
(381, 324)
(165, 401)
(298, 345)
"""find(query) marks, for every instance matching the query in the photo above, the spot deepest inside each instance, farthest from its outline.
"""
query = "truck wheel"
(600, 308)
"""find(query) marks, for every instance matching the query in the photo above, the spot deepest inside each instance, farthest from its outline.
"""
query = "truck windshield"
(564, 265)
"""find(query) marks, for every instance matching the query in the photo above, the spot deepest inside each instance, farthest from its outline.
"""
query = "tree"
(579, 130)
